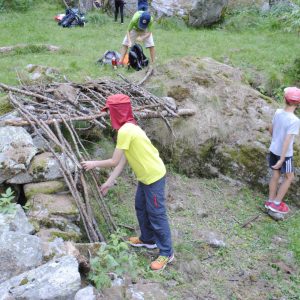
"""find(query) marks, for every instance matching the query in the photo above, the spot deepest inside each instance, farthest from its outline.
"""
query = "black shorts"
(287, 166)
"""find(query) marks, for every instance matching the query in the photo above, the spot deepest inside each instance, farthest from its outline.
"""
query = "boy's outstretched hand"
(88, 164)
(105, 187)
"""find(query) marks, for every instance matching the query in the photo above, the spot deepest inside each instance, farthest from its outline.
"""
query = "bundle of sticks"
(46, 108)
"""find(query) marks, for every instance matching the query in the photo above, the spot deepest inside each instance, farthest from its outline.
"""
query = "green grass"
(270, 52)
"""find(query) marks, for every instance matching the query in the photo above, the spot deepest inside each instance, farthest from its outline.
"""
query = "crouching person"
(134, 146)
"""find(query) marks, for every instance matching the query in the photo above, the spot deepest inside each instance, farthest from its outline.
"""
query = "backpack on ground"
(108, 56)
(72, 18)
(137, 58)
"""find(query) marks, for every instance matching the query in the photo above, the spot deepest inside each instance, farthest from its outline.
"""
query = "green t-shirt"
(134, 23)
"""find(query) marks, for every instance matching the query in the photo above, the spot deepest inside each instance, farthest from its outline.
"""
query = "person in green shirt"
(139, 30)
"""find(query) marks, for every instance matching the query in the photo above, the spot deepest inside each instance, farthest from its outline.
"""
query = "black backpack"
(72, 18)
(137, 58)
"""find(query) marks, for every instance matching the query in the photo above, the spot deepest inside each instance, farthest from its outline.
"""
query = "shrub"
(6, 206)
(113, 258)
(293, 72)
(98, 18)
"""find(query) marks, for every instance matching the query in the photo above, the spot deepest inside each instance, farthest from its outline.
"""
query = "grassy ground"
(271, 52)
(260, 260)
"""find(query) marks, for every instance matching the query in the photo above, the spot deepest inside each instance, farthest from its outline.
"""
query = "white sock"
(276, 202)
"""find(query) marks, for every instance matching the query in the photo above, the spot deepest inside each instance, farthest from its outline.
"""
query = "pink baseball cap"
(292, 94)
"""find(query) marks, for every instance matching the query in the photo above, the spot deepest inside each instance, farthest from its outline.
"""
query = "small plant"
(6, 206)
(113, 258)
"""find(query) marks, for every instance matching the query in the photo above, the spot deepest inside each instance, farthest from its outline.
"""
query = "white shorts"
(148, 42)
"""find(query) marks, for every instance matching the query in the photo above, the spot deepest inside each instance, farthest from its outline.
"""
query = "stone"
(53, 249)
(146, 290)
(58, 279)
(49, 234)
(44, 167)
(227, 137)
(213, 239)
(275, 215)
(46, 187)
(88, 249)
(16, 151)
(87, 293)
(44, 206)
(206, 12)
(16, 221)
(18, 253)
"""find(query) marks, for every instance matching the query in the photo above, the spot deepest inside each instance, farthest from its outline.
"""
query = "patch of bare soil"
(243, 266)
(225, 246)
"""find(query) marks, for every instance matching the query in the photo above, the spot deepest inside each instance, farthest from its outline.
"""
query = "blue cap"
(144, 20)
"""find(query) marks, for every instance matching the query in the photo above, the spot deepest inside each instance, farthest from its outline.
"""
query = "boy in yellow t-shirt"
(134, 146)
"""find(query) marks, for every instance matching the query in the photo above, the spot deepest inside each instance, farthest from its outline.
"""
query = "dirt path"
(251, 262)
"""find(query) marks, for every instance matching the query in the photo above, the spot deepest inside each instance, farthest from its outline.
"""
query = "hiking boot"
(280, 208)
(160, 263)
(136, 242)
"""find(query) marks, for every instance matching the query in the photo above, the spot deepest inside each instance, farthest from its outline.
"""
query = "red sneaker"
(267, 204)
(280, 208)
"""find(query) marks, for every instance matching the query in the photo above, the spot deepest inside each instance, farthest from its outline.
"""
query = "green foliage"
(292, 21)
(17, 5)
(173, 23)
(113, 257)
(98, 19)
(280, 17)
(6, 206)
(293, 72)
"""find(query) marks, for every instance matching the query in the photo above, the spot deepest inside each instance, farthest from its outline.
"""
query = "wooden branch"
(148, 74)
(7, 49)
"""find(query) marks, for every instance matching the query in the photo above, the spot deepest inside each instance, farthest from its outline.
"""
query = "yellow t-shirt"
(141, 155)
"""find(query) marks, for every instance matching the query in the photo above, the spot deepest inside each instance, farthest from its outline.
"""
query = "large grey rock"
(172, 7)
(18, 253)
(206, 12)
(43, 167)
(16, 151)
(228, 135)
(16, 221)
(199, 12)
(87, 293)
(46, 187)
(59, 279)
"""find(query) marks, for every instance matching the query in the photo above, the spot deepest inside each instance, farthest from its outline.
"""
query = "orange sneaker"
(160, 263)
(136, 242)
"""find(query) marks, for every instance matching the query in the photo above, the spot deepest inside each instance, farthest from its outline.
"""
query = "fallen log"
(139, 114)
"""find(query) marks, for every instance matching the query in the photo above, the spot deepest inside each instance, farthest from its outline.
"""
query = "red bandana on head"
(120, 110)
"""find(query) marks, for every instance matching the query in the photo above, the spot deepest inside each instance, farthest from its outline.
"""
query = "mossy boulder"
(228, 134)
(44, 206)
(46, 187)
(43, 167)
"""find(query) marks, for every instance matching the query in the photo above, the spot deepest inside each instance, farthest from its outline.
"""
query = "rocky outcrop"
(197, 12)
(228, 135)
(16, 221)
(16, 151)
(44, 167)
(205, 13)
(58, 279)
(18, 252)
